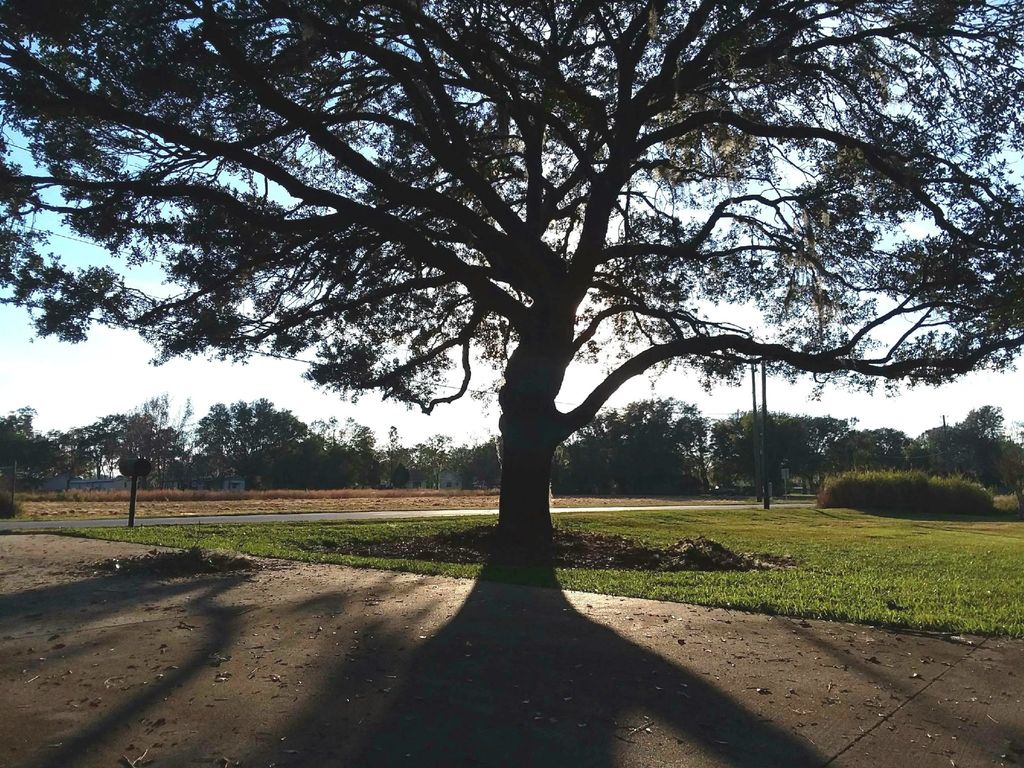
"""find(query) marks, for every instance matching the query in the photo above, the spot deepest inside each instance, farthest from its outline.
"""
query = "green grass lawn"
(954, 574)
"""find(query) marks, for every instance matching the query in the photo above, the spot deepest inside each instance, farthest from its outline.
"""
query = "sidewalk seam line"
(909, 699)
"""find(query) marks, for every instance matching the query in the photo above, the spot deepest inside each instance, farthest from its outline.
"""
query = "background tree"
(883, 448)
(432, 457)
(319, 461)
(732, 451)
(151, 431)
(970, 447)
(361, 445)
(809, 446)
(393, 455)
(654, 447)
(35, 455)
(978, 441)
(582, 462)
(399, 476)
(1011, 466)
(803, 444)
(247, 439)
(477, 464)
(399, 189)
(658, 447)
(215, 442)
(101, 442)
(313, 462)
(70, 455)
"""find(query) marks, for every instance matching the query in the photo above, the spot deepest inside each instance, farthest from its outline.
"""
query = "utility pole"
(765, 482)
(945, 446)
(757, 446)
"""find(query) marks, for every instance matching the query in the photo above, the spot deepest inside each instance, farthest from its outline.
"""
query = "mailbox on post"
(134, 468)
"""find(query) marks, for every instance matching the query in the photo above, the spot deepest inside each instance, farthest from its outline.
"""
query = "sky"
(74, 384)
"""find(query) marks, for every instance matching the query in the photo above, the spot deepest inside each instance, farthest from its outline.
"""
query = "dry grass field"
(111, 504)
(163, 494)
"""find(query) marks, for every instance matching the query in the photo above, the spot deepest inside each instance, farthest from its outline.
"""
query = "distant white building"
(119, 483)
(233, 483)
(450, 480)
(66, 482)
(224, 483)
(58, 483)
(447, 479)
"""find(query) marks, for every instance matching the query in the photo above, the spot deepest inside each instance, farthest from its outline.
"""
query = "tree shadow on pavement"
(71, 608)
(518, 676)
(94, 598)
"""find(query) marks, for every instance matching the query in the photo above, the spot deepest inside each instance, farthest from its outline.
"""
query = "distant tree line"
(652, 447)
(669, 447)
(267, 446)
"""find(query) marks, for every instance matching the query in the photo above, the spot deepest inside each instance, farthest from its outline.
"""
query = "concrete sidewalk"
(303, 665)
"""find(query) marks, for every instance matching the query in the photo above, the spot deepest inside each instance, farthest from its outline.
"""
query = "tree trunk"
(1020, 503)
(531, 430)
(524, 514)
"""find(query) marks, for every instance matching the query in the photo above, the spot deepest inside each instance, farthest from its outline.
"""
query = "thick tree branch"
(827, 361)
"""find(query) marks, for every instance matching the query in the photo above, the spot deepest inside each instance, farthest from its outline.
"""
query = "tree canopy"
(402, 189)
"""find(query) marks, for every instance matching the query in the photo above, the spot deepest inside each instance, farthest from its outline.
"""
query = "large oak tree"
(407, 188)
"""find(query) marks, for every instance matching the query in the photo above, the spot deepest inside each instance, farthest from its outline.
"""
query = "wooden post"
(131, 502)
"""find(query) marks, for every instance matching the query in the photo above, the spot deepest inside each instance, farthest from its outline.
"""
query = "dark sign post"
(134, 468)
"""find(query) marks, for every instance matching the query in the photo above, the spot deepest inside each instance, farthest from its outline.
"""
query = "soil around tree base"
(570, 549)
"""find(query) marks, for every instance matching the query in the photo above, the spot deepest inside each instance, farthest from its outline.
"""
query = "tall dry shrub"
(905, 491)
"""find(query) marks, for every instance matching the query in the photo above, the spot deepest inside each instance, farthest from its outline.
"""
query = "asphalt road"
(309, 517)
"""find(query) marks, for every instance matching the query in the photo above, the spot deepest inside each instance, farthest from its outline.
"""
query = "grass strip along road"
(954, 574)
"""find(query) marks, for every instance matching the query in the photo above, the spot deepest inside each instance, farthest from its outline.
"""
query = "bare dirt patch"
(171, 564)
(572, 549)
